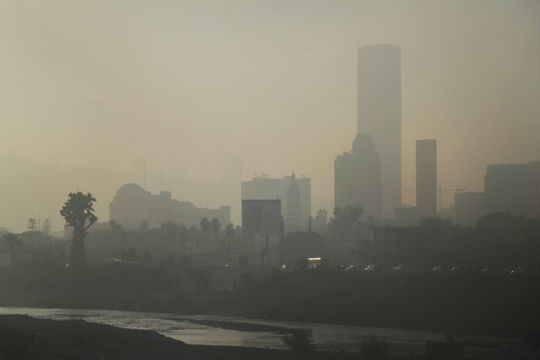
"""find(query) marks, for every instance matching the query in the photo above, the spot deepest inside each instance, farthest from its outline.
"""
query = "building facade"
(379, 114)
(469, 207)
(426, 178)
(266, 188)
(293, 216)
(357, 177)
(262, 219)
(132, 204)
(513, 188)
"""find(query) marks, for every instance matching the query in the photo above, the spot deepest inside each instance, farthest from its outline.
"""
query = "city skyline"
(256, 104)
(269, 179)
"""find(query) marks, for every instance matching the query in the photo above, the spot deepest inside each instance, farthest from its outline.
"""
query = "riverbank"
(24, 337)
(495, 304)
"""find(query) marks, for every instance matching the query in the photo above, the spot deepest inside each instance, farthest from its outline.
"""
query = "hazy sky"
(187, 83)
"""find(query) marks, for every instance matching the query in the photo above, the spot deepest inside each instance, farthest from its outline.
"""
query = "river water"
(237, 331)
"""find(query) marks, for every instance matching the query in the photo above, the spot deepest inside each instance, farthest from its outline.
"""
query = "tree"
(143, 226)
(229, 233)
(78, 213)
(12, 240)
(32, 224)
(500, 221)
(346, 225)
(170, 229)
(118, 233)
(299, 340)
(183, 237)
(205, 225)
(347, 217)
(215, 225)
(436, 223)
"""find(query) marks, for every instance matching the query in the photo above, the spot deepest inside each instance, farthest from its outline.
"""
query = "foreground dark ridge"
(26, 338)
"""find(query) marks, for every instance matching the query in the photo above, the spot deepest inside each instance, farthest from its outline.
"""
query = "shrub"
(299, 340)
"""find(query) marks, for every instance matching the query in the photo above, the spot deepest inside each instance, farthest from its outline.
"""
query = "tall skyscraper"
(293, 216)
(426, 178)
(358, 178)
(379, 114)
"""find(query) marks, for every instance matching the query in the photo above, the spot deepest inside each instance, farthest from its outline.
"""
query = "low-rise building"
(132, 205)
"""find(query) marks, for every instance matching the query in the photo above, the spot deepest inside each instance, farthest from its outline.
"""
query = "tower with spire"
(293, 215)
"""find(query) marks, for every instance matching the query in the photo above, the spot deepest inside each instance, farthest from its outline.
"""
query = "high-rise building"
(513, 188)
(379, 114)
(293, 216)
(357, 177)
(426, 178)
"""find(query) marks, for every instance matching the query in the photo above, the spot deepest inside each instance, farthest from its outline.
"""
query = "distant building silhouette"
(320, 222)
(469, 207)
(224, 191)
(262, 219)
(426, 178)
(266, 188)
(132, 204)
(406, 215)
(293, 216)
(379, 114)
(358, 177)
(513, 188)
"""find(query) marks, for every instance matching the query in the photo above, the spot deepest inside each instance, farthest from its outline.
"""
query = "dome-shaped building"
(132, 204)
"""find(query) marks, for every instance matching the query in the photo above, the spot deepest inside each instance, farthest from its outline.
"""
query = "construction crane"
(440, 191)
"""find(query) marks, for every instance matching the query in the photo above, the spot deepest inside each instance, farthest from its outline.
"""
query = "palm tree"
(205, 225)
(79, 214)
(215, 225)
(12, 240)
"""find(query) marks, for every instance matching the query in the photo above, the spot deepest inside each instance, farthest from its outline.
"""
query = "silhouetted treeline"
(498, 240)
(32, 247)
(171, 243)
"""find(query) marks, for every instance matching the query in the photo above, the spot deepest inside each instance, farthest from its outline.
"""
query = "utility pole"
(440, 190)
(280, 245)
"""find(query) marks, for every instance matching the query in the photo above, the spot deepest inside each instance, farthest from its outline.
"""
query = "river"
(237, 331)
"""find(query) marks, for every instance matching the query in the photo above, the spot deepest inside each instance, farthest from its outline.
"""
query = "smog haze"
(100, 85)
